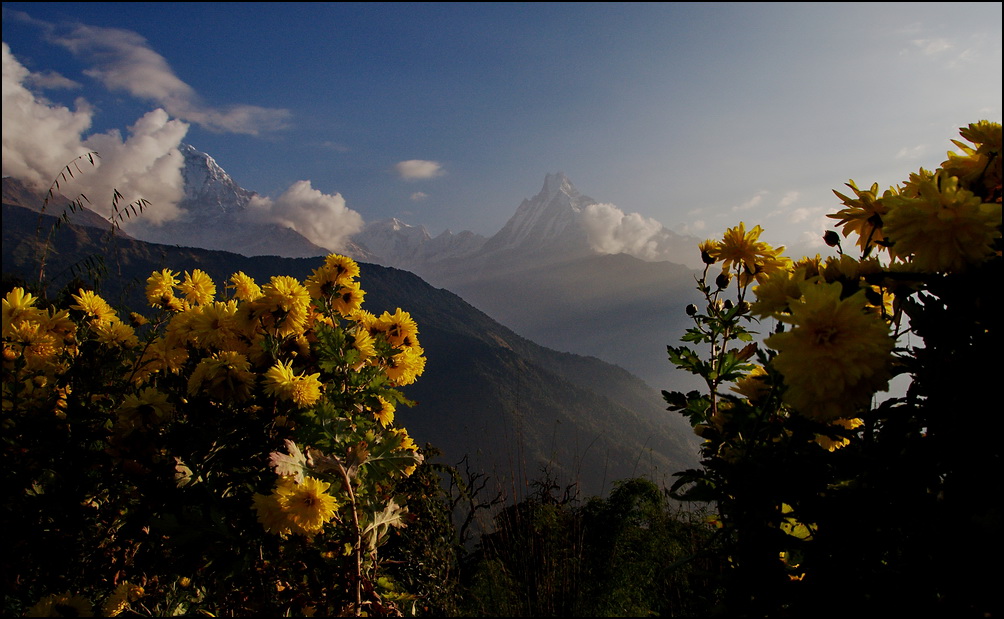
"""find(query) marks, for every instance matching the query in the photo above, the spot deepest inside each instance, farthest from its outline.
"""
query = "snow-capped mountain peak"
(209, 190)
(551, 220)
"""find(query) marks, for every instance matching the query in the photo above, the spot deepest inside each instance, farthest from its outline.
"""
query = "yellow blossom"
(198, 287)
(224, 376)
(831, 443)
(835, 356)
(160, 289)
(245, 287)
(307, 505)
(94, 306)
(943, 228)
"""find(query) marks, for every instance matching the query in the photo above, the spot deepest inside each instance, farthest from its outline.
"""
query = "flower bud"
(831, 238)
(729, 305)
(691, 309)
(722, 281)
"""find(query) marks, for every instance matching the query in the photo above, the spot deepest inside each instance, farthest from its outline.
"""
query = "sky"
(688, 116)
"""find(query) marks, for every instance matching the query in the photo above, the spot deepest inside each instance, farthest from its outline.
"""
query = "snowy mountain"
(557, 224)
(550, 222)
(215, 216)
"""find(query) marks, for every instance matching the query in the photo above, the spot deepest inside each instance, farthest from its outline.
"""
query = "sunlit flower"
(270, 514)
(62, 605)
(835, 356)
(281, 382)
(307, 505)
(215, 325)
(775, 292)
(943, 228)
(245, 287)
(386, 413)
(160, 289)
(283, 305)
(405, 367)
(94, 306)
(336, 272)
(363, 342)
(741, 251)
(116, 334)
(18, 304)
(198, 287)
(348, 299)
(399, 328)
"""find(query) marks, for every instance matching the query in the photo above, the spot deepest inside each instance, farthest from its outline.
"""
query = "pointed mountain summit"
(209, 190)
(215, 216)
(550, 222)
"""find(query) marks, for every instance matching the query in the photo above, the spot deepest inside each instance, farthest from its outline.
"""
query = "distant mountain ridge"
(542, 276)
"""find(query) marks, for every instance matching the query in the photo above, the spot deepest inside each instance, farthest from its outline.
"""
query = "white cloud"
(911, 153)
(323, 218)
(751, 203)
(933, 47)
(418, 169)
(40, 139)
(611, 231)
(418, 196)
(123, 61)
(789, 198)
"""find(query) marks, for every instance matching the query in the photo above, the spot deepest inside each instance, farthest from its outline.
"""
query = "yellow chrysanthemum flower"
(116, 334)
(307, 506)
(215, 325)
(945, 228)
(283, 306)
(18, 305)
(160, 289)
(836, 355)
(94, 306)
(336, 273)
(198, 287)
(741, 251)
(385, 416)
(863, 215)
(245, 287)
(399, 328)
(405, 367)
(363, 342)
(306, 390)
(348, 299)
(62, 605)
(281, 382)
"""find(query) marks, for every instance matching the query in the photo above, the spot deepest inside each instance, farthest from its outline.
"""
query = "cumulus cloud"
(789, 198)
(418, 196)
(323, 218)
(911, 153)
(611, 231)
(418, 169)
(123, 61)
(40, 138)
(751, 203)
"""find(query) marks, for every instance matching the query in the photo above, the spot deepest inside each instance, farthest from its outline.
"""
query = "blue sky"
(695, 116)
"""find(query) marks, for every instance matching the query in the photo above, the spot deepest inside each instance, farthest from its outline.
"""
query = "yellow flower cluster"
(742, 252)
(259, 338)
(942, 221)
